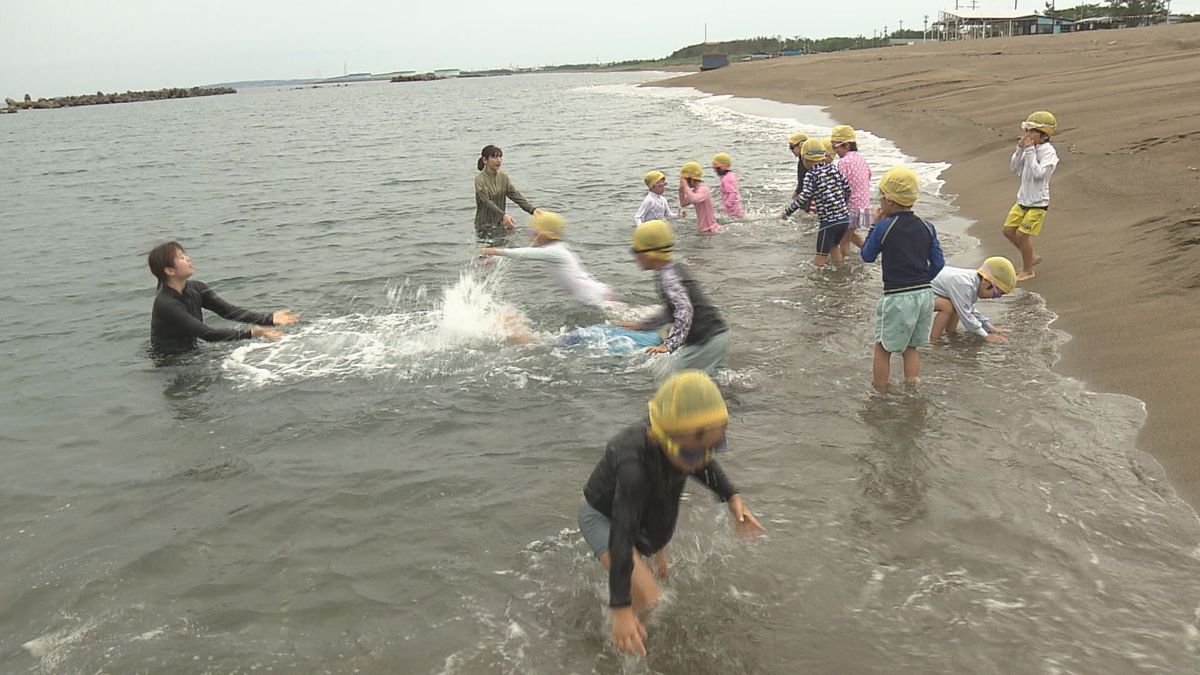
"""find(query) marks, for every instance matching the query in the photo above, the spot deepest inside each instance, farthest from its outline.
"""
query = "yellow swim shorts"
(1027, 219)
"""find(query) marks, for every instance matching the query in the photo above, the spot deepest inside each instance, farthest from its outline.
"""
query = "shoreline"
(1122, 239)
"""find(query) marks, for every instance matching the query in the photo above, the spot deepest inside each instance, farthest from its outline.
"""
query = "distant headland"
(101, 98)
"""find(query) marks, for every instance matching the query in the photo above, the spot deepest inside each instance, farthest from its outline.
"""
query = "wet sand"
(1121, 244)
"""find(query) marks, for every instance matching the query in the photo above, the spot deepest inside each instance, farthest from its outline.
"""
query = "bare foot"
(1037, 260)
(1026, 276)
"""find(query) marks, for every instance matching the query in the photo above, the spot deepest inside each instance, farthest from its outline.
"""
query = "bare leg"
(662, 568)
(944, 318)
(820, 261)
(881, 369)
(837, 254)
(912, 366)
(643, 587)
(1029, 258)
(844, 244)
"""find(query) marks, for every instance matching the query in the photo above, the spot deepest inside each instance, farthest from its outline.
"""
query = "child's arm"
(804, 198)
(640, 216)
(671, 215)
(674, 289)
(963, 297)
(546, 254)
(1018, 160)
(936, 260)
(685, 193)
(870, 248)
(1039, 169)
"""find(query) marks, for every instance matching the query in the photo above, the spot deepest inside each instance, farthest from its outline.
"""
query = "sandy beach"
(1121, 262)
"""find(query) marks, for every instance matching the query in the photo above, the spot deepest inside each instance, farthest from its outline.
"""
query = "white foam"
(407, 337)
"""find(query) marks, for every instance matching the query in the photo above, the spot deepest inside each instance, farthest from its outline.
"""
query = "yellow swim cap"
(687, 402)
(827, 144)
(654, 238)
(813, 150)
(842, 133)
(1042, 121)
(723, 160)
(653, 177)
(549, 224)
(1000, 271)
(692, 170)
(899, 185)
(797, 138)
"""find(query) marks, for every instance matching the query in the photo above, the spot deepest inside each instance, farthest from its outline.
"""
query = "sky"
(65, 47)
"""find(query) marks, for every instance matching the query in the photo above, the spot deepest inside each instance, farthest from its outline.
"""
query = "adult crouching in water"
(493, 189)
(631, 500)
(178, 320)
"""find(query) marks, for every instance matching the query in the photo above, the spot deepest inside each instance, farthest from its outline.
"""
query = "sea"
(393, 486)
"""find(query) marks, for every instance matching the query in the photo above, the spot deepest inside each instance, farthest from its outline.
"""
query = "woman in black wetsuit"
(178, 321)
(631, 501)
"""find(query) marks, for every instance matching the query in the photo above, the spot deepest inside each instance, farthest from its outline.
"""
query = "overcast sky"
(61, 47)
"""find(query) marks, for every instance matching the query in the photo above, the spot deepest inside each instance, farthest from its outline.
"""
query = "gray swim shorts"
(595, 527)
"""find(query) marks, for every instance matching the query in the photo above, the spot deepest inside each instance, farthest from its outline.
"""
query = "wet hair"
(161, 257)
(488, 152)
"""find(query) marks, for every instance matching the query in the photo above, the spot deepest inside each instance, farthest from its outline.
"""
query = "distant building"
(713, 61)
(960, 24)
(446, 73)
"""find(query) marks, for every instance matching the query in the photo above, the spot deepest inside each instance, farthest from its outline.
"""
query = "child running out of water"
(731, 196)
(654, 206)
(795, 141)
(858, 175)
(693, 192)
(1034, 161)
(825, 187)
(565, 267)
(912, 257)
(957, 289)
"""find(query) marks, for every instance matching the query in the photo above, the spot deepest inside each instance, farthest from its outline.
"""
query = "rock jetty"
(101, 98)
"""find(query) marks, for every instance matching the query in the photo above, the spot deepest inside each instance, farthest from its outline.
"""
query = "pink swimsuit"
(701, 198)
(731, 197)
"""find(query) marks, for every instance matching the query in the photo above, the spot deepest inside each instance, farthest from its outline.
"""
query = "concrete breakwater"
(101, 98)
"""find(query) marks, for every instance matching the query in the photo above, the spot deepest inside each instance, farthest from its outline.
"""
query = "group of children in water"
(631, 500)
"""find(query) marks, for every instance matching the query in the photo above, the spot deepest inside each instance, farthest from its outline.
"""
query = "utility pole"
(901, 25)
(925, 32)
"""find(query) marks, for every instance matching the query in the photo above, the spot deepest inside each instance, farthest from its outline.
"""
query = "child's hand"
(998, 329)
(783, 216)
(993, 337)
(657, 349)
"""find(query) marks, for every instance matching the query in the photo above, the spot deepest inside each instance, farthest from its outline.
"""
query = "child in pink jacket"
(693, 192)
(731, 196)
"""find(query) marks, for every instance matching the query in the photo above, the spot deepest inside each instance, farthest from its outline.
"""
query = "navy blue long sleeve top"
(912, 255)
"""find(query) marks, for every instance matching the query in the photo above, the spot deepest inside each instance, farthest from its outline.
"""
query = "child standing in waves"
(731, 196)
(654, 205)
(693, 192)
(912, 257)
(858, 175)
(828, 190)
(1033, 160)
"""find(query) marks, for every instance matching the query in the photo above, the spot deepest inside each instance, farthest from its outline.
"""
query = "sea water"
(392, 487)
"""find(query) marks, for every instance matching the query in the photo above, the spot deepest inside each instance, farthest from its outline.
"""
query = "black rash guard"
(177, 320)
(638, 488)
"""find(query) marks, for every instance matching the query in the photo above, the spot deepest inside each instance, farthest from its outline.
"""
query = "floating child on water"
(631, 501)
(654, 205)
(731, 196)
(698, 338)
(957, 289)
(693, 192)
(1034, 161)
(565, 267)
(912, 257)
(825, 187)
